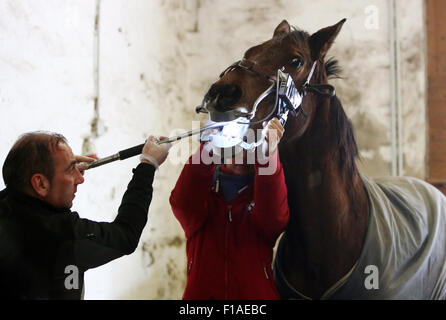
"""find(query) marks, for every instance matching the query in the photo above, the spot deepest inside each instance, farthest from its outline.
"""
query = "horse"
(349, 236)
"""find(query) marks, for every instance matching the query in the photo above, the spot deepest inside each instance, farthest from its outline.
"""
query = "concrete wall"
(107, 74)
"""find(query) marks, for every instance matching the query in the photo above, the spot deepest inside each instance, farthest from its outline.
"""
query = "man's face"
(66, 178)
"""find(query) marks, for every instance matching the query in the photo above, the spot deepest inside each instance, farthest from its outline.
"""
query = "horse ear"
(322, 40)
(282, 28)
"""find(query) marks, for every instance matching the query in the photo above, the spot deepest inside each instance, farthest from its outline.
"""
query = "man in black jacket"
(44, 247)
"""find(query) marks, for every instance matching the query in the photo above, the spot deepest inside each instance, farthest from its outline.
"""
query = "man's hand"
(153, 153)
(82, 162)
(273, 134)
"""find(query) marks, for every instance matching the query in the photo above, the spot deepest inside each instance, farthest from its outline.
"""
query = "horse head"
(291, 50)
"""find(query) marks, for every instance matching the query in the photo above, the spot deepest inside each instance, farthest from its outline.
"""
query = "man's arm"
(97, 243)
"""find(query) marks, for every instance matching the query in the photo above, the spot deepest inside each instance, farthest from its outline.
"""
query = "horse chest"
(311, 275)
(304, 276)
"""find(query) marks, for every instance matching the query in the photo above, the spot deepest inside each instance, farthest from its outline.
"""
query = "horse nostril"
(226, 95)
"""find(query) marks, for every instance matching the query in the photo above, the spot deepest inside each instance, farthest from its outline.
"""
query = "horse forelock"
(299, 35)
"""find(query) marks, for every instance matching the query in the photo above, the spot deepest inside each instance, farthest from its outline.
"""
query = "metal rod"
(191, 133)
(103, 161)
(133, 151)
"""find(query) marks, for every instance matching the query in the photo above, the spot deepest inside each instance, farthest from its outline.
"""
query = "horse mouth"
(226, 113)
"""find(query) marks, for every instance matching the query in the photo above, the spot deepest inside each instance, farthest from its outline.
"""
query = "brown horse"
(331, 220)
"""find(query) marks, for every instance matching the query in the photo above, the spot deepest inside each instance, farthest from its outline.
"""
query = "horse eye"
(297, 63)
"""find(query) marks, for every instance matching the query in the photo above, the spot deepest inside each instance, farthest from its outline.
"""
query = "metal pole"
(133, 151)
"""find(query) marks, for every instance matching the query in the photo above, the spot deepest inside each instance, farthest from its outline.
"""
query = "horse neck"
(328, 203)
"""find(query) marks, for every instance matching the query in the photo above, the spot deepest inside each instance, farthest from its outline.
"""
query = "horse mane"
(333, 69)
(344, 138)
(344, 141)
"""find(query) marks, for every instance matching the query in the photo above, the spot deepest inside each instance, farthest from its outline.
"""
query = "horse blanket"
(404, 251)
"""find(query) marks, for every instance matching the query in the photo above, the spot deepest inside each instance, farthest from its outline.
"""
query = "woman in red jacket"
(232, 217)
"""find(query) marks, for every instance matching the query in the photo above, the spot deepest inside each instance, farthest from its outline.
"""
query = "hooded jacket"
(230, 245)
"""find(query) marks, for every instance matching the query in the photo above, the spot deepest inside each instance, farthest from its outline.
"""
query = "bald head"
(32, 153)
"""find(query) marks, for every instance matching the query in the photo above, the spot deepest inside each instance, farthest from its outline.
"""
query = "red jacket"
(230, 246)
